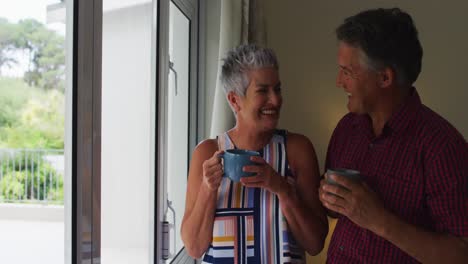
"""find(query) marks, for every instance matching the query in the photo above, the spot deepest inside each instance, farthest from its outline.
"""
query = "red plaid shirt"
(418, 167)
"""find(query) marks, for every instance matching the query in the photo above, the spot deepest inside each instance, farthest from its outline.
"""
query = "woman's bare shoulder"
(206, 147)
(300, 149)
(298, 141)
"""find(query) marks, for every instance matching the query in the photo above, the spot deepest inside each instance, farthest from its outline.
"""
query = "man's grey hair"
(375, 66)
(388, 38)
(238, 63)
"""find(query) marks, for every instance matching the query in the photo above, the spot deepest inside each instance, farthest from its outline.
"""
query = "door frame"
(86, 132)
(191, 9)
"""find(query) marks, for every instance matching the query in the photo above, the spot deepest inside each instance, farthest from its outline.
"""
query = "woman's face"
(261, 105)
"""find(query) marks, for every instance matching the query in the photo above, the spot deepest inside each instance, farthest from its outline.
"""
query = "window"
(35, 131)
(181, 111)
(128, 132)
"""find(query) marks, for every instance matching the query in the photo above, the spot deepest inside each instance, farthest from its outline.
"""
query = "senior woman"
(284, 215)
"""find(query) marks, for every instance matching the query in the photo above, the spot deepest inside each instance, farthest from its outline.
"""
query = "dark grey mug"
(234, 160)
(353, 175)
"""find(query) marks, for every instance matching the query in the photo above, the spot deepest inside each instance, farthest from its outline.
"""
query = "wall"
(302, 34)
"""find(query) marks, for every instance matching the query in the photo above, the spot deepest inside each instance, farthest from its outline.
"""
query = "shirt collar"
(405, 114)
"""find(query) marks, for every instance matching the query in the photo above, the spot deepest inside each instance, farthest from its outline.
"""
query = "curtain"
(241, 22)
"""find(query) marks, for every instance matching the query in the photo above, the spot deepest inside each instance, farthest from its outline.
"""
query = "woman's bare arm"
(205, 175)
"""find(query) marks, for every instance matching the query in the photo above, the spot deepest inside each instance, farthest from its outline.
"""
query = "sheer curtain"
(240, 22)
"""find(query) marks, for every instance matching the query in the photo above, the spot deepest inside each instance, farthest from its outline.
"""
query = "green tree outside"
(31, 110)
(7, 44)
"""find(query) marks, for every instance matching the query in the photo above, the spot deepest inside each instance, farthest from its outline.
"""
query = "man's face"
(359, 83)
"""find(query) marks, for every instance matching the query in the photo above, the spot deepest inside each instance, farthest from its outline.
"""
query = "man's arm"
(362, 206)
(425, 246)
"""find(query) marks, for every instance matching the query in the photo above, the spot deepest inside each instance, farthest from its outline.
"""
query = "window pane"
(127, 132)
(34, 108)
(178, 119)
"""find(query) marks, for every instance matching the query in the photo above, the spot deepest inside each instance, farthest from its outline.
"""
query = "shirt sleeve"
(329, 151)
(335, 139)
(447, 186)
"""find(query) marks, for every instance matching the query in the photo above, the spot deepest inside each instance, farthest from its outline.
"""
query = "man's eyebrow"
(345, 68)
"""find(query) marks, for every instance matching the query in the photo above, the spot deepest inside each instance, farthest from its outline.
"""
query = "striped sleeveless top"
(249, 226)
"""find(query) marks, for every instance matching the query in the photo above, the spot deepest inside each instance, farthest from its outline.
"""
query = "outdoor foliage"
(31, 110)
(36, 180)
(7, 45)
(14, 93)
(44, 48)
(29, 117)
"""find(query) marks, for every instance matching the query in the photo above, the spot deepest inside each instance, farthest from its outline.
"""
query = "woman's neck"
(249, 139)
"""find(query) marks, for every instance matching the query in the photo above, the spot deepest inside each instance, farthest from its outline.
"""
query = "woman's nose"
(276, 99)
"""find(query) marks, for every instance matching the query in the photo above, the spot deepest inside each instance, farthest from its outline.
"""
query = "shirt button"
(371, 145)
(341, 248)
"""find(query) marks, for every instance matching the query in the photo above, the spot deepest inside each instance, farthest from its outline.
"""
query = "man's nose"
(339, 82)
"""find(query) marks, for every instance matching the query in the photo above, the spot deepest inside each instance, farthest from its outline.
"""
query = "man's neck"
(388, 105)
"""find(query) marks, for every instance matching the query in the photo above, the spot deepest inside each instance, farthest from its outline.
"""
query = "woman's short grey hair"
(238, 63)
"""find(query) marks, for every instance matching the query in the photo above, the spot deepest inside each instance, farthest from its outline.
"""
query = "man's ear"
(387, 77)
(234, 101)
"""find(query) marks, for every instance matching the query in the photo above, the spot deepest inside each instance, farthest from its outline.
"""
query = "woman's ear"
(387, 77)
(234, 101)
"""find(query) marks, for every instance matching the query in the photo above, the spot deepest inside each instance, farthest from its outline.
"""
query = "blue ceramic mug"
(353, 175)
(234, 160)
